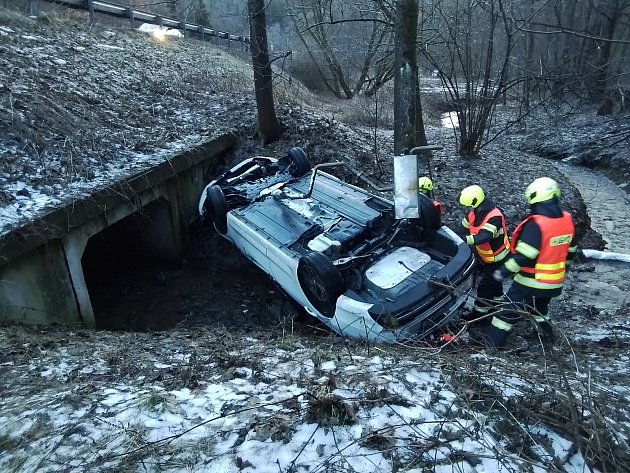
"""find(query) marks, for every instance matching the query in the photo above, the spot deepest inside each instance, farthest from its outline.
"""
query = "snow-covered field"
(208, 401)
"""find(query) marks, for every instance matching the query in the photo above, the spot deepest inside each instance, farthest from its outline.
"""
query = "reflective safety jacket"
(438, 206)
(498, 247)
(549, 270)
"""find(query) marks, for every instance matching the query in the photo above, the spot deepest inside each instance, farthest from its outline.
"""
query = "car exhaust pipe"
(405, 181)
(359, 174)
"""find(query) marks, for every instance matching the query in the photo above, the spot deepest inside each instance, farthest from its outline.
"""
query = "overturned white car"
(339, 250)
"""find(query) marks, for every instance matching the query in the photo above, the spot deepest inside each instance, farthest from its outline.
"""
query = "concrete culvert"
(126, 264)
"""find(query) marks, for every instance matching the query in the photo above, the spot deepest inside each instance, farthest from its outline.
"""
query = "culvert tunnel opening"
(135, 284)
(127, 267)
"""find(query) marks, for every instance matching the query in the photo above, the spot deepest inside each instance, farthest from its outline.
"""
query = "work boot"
(471, 315)
(545, 332)
(489, 336)
(542, 331)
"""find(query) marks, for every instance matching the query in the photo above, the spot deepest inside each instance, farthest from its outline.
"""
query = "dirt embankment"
(75, 100)
(78, 100)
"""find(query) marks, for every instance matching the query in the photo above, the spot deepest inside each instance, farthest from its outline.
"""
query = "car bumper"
(352, 318)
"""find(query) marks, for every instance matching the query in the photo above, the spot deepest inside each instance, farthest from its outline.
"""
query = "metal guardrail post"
(106, 8)
(33, 7)
(130, 15)
(89, 5)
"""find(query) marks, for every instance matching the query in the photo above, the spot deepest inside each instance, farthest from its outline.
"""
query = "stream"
(603, 285)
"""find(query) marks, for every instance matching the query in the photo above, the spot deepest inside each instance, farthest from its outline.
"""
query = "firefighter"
(542, 247)
(486, 233)
(425, 186)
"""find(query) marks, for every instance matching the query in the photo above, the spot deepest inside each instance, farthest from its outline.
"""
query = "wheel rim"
(314, 284)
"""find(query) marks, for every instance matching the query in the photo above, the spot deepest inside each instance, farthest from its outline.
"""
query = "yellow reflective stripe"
(500, 324)
(491, 228)
(550, 267)
(527, 250)
(485, 252)
(465, 223)
(502, 255)
(481, 309)
(470, 239)
(534, 284)
(550, 277)
(512, 266)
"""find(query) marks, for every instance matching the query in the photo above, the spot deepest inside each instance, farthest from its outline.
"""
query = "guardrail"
(97, 6)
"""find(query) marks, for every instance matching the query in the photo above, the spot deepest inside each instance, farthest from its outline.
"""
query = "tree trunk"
(609, 23)
(408, 125)
(529, 71)
(269, 128)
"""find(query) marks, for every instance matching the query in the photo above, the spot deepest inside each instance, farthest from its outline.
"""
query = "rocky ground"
(213, 331)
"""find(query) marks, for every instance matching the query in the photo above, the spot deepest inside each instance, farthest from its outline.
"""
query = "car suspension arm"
(356, 172)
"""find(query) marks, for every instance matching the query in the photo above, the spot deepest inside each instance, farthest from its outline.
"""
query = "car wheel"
(300, 164)
(320, 281)
(429, 214)
(216, 206)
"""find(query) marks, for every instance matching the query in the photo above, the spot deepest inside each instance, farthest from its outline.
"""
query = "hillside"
(231, 381)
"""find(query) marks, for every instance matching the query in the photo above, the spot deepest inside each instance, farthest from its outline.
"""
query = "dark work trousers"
(522, 298)
(489, 290)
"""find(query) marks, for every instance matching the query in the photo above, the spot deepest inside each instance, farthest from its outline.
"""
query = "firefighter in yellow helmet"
(425, 187)
(542, 247)
(486, 233)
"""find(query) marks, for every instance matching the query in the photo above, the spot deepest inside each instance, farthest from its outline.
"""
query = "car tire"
(300, 164)
(217, 208)
(429, 214)
(321, 282)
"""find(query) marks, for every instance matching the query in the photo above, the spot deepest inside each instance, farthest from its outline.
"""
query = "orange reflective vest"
(496, 249)
(438, 206)
(549, 271)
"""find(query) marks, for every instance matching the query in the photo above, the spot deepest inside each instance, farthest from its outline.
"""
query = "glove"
(498, 275)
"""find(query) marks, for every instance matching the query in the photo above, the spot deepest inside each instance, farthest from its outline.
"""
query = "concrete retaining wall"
(41, 275)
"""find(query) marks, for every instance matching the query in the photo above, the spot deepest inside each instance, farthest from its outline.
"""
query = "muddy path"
(602, 284)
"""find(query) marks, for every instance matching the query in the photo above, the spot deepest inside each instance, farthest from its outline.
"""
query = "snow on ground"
(245, 399)
(211, 402)
(82, 107)
(33, 200)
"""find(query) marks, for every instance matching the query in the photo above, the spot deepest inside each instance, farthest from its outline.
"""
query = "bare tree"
(472, 51)
(269, 128)
(408, 124)
(579, 47)
(331, 33)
